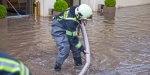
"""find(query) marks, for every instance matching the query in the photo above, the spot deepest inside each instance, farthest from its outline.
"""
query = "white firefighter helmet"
(83, 10)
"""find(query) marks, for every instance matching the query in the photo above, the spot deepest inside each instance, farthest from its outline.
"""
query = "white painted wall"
(47, 4)
(91, 3)
(96, 4)
(124, 3)
(119, 3)
(85, 1)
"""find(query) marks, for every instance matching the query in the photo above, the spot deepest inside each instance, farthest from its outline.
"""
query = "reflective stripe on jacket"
(9, 66)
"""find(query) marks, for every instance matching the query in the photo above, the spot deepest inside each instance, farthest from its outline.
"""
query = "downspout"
(86, 42)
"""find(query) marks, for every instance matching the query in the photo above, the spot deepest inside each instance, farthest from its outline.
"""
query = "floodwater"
(118, 47)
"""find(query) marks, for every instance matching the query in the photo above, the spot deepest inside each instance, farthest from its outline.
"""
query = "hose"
(86, 42)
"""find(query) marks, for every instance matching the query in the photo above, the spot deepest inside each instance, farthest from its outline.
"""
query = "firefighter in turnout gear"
(65, 34)
(11, 66)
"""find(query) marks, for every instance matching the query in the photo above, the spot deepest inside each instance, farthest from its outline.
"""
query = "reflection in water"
(109, 29)
(118, 47)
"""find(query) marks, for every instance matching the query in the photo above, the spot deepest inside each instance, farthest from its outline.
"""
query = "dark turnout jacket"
(70, 25)
(11, 66)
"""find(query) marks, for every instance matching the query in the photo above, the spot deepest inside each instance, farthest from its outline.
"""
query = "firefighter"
(12, 66)
(65, 34)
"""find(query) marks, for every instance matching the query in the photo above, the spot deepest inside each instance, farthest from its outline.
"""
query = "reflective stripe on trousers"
(59, 34)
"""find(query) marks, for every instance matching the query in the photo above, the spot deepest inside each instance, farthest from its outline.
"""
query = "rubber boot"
(78, 61)
(57, 67)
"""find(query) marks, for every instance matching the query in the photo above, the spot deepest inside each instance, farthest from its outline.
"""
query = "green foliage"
(110, 3)
(3, 11)
(60, 5)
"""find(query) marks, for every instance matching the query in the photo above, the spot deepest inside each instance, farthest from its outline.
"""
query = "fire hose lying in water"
(86, 43)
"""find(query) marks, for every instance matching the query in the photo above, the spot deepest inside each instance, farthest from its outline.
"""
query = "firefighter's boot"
(57, 67)
(78, 61)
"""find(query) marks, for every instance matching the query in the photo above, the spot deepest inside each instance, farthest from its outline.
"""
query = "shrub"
(110, 3)
(60, 5)
(3, 11)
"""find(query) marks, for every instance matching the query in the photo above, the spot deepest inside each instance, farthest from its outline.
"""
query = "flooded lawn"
(118, 47)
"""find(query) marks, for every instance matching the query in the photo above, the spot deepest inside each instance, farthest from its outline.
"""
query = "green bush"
(3, 11)
(110, 3)
(60, 5)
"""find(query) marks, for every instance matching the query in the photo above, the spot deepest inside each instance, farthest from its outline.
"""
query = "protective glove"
(84, 21)
(85, 52)
(78, 30)
(78, 33)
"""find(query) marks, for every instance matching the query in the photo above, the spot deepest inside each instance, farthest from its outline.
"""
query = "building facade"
(48, 4)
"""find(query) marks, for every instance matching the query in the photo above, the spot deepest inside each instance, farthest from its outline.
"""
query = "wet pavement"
(118, 47)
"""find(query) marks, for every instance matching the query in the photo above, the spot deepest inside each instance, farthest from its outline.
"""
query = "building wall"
(119, 3)
(47, 4)
(124, 3)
